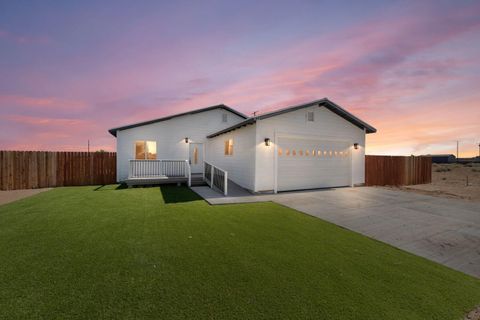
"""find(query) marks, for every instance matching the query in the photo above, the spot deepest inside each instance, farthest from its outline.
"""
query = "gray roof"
(113, 131)
(321, 103)
(440, 155)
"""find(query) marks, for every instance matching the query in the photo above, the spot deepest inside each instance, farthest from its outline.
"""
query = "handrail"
(216, 177)
(140, 168)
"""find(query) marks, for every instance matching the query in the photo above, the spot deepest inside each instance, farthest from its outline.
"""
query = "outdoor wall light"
(267, 141)
(355, 145)
(186, 140)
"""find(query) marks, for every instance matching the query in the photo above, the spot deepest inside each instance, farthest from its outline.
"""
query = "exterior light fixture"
(186, 139)
(355, 145)
(267, 141)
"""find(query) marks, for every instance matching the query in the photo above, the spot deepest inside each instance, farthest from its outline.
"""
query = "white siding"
(240, 165)
(327, 126)
(170, 136)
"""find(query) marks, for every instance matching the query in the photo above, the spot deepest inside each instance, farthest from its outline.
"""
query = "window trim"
(228, 147)
(145, 149)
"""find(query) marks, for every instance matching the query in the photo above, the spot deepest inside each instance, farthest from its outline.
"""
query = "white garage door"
(308, 164)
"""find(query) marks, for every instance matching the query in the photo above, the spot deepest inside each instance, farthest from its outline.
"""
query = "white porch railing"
(160, 168)
(215, 177)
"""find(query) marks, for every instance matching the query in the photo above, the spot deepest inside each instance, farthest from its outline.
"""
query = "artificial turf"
(163, 253)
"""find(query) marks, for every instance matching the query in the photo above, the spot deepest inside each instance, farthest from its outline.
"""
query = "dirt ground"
(450, 180)
(474, 314)
(13, 195)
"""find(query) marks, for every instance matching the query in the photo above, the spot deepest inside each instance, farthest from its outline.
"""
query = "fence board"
(397, 170)
(40, 169)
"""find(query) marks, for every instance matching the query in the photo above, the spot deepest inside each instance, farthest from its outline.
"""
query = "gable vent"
(310, 116)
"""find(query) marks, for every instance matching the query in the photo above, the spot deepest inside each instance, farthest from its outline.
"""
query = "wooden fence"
(40, 169)
(397, 170)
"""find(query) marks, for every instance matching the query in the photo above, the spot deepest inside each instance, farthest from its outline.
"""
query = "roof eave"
(234, 127)
(329, 105)
(113, 131)
(349, 116)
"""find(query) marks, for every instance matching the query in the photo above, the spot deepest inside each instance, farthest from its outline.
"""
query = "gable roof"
(321, 103)
(113, 131)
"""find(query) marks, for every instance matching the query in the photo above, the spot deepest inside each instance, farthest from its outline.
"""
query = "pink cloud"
(67, 124)
(46, 133)
(390, 71)
(42, 102)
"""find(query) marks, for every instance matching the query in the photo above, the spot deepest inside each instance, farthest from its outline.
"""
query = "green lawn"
(88, 252)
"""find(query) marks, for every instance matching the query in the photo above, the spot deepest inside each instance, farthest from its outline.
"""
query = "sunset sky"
(70, 70)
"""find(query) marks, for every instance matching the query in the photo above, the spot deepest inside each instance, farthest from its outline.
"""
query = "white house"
(312, 145)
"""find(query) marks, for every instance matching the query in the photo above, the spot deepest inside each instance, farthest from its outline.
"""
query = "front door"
(196, 157)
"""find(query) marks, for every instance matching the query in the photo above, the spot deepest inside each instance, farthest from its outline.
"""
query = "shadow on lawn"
(176, 194)
(107, 187)
(170, 193)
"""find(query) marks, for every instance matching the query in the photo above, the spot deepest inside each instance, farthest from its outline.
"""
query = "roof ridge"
(113, 131)
(325, 102)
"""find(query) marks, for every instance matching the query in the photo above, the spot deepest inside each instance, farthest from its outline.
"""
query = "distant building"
(442, 158)
(468, 160)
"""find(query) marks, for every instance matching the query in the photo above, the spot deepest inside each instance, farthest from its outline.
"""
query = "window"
(310, 116)
(279, 151)
(145, 150)
(224, 117)
(195, 155)
(300, 153)
(307, 152)
(294, 153)
(319, 153)
(287, 152)
(229, 147)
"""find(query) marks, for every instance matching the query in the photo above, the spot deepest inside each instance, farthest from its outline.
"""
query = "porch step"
(198, 181)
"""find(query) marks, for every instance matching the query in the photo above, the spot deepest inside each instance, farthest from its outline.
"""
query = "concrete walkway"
(14, 195)
(443, 230)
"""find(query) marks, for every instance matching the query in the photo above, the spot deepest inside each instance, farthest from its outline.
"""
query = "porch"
(155, 172)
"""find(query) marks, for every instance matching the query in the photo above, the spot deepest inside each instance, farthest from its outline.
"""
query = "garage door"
(308, 164)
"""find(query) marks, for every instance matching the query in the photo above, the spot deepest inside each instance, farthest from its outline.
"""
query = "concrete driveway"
(443, 230)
